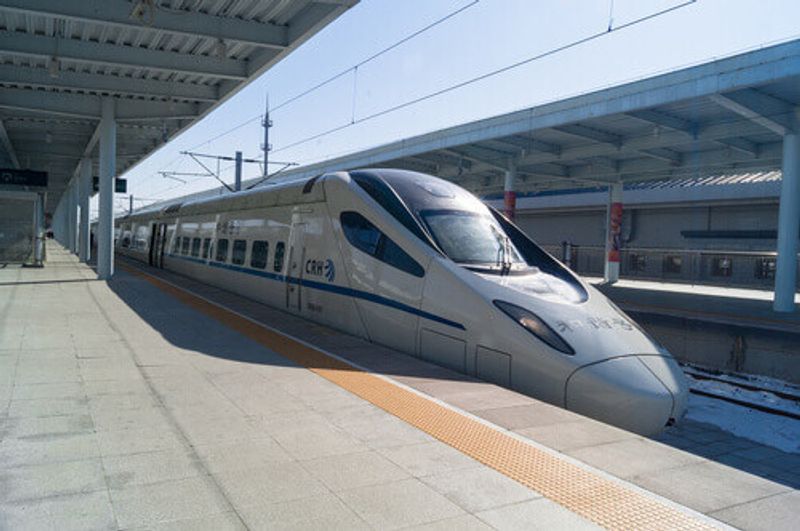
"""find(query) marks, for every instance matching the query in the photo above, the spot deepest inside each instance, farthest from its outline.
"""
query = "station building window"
(206, 247)
(277, 261)
(222, 250)
(185, 245)
(196, 242)
(721, 266)
(239, 251)
(765, 268)
(637, 262)
(366, 237)
(258, 256)
(673, 263)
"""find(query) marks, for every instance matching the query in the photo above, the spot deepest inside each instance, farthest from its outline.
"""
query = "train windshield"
(471, 238)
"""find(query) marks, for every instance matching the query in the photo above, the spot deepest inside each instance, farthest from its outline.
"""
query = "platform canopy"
(727, 115)
(166, 63)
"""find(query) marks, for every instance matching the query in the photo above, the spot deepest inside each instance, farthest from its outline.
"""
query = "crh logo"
(321, 268)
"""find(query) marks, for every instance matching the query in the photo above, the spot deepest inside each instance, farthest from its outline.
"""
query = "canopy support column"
(105, 222)
(613, 229)
(788, 226)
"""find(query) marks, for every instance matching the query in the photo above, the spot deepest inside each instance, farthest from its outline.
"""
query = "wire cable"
(493, 73)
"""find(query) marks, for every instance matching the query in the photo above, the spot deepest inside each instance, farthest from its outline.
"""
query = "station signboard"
(120, 185)
(11, 176)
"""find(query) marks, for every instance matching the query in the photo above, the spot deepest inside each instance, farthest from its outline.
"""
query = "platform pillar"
(105, 220)
(788, 226)
(72, 220)
(84, 193)
(38, 231)
(613, 230)
(510, 191)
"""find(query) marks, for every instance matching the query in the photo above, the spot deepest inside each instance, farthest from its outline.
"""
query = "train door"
(295, 269)
(158, 239)
(151, 255)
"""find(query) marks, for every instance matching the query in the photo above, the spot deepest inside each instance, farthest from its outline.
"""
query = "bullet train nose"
(641, 394)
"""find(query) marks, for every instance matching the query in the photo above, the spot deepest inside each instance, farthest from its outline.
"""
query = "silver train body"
(420, 265)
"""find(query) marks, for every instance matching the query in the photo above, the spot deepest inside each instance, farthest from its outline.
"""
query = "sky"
(484, 36)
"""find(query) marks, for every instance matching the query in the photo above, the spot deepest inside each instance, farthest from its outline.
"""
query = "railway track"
(698, 374)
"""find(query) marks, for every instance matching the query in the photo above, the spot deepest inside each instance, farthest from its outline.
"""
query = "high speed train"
(419, 264)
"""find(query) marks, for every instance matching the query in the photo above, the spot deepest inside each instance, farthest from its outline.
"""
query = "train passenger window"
(196, 246)
(366, 237)
(206, 247)
(277, 261)
(176, 245)
(185, 245)
(222, 250)
(258, 257)
(721, 266)
(239, 251)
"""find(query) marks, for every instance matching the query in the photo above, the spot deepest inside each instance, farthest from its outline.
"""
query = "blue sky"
(487, 35)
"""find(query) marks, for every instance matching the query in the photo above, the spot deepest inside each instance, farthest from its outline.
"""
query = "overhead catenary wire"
(490, 74)
(355, 121)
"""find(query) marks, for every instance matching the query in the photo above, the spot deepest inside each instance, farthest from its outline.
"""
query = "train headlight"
(535, 326)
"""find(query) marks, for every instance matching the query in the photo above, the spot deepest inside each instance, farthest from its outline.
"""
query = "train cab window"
(185, 245)
(277, 261)
(258, 256)
(222, 250)
(196, 246)
(367, 238)
(206, 247)
(239, 251)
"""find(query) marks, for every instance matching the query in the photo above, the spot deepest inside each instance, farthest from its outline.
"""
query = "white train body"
(420, 265)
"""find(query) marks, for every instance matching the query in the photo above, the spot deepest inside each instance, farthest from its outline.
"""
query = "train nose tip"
(635, 393)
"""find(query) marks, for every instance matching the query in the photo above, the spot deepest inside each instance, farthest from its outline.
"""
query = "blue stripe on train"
(331, 288)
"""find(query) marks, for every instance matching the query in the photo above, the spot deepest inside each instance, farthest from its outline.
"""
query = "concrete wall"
(655, 227)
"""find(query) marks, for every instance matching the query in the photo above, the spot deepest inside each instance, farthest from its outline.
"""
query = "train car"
(419, 264)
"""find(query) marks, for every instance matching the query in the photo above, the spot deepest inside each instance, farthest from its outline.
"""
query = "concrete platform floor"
(122, 408)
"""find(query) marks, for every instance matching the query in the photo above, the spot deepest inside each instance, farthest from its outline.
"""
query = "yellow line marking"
(605, 502)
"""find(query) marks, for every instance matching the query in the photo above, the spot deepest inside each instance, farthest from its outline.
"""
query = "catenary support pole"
(510, 191)
(788, 226)
(613, 229)
(85, 190)
(238, 183)
(105, 221)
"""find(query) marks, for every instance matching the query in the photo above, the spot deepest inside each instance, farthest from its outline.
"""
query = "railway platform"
(152, 401)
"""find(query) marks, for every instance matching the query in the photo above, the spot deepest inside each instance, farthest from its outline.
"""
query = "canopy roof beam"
(147, 15)
(109, 84)
(24, 44)
(769, 112)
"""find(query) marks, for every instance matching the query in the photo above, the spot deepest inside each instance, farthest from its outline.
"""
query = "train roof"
(274, 194)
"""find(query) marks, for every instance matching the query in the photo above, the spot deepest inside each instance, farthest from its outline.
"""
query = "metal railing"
(752, 269)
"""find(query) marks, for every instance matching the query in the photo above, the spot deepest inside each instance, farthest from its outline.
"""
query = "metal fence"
(718, 268)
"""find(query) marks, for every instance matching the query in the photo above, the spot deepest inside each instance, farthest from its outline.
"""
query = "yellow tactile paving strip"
(607, 503)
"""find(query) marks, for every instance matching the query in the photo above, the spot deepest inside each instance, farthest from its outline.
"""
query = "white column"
(613, 230)
(58, 221)
(510, 191)
(788, 226)
(72, 220)
(38, 231)
(85, 191)
(105, 221)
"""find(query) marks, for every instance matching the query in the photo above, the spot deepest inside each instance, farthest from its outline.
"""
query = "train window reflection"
(196, 246)
(258, 257)
(185, 245)
(222, 250)
(277, 263)
(239, 251)
(206, 247)
(367, 238)
(471, 238)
